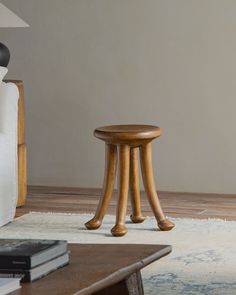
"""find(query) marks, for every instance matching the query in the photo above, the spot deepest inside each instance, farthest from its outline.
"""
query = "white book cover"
(9, 285)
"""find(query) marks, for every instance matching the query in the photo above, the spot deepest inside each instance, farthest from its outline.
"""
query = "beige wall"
(87, 63)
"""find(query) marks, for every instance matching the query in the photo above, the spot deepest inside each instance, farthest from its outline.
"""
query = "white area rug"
(203, 261)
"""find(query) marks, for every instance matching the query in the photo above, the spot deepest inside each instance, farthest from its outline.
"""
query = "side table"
(123, 143)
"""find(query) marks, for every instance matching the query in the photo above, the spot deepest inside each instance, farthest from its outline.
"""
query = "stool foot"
(93, 224)
(119, 230)
(165, 225)
(137, 219)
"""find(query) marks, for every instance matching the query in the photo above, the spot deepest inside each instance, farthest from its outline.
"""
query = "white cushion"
(3, 72)
(9, 95)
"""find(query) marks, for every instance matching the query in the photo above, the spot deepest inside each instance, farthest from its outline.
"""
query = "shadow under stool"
(124, 142)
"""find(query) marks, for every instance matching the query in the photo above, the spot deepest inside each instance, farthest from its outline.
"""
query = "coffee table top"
(93, 267)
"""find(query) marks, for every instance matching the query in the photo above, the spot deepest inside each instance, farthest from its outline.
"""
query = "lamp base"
(4, 55)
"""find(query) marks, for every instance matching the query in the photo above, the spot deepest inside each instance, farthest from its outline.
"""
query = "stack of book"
(31, 259)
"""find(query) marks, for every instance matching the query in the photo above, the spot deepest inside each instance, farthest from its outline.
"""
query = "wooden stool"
(128, 139)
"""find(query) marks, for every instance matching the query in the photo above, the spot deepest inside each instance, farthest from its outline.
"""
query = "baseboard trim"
(39, 189)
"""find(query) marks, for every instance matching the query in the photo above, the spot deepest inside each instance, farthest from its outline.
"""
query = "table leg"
(132, 285)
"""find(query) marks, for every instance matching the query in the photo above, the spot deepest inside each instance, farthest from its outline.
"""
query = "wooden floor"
(83, 200)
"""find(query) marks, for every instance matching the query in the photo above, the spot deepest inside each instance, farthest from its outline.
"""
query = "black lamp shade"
(4, 55)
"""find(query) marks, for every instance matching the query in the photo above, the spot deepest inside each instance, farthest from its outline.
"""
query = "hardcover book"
(27, 254)
(29, 275)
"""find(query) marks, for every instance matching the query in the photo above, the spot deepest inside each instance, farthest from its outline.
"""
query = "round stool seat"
(127, 134)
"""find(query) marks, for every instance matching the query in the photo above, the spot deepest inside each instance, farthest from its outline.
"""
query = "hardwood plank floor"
(85, 200)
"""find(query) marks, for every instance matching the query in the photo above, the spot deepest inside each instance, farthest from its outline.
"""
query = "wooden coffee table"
(100, 269)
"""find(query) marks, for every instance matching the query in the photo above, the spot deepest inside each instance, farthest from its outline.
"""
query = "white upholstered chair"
(9, 95)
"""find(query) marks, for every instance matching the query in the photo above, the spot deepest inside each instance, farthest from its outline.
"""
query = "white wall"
(87, 63)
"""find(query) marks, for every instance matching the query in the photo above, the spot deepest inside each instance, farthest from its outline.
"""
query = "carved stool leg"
(149, 184)
(136, 216)
(109, 180)
(124, 159)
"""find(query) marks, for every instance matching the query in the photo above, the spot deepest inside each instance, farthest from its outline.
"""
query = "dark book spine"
(7, 262)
